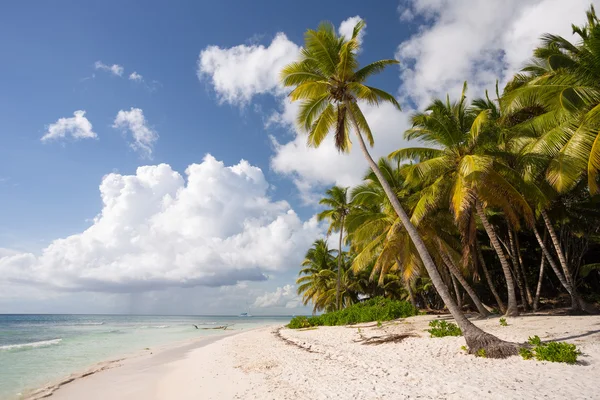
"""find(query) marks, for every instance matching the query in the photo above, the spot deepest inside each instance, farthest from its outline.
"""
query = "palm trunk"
(512, 309)
(577, 303)
(468, 288)
(411, 295)
(523, 269)
(476, 338)
(456, 292)
(489, 280)
(517, 268)
(538, 290)
(339, 271)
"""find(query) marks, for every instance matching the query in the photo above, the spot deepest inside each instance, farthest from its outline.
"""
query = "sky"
(149, 161)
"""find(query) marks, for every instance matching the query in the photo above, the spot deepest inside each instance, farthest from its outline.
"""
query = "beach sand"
(332, 363)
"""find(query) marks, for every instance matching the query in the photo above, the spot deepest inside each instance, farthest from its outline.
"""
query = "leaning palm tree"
(330, 84)
(336, 199)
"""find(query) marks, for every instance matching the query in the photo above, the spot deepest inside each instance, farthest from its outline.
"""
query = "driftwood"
(377, 340)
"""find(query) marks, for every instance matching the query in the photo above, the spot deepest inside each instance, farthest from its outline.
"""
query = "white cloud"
(78, 127)
(241, 72)
(143, 136)
(347, 28)
(282, 297)
(158, 230)
(114, 69)
(475, 40)
(312, 168)
(134, 76)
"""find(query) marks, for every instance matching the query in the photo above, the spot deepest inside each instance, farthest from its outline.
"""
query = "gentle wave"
(42, 343)
(90, 323)
(154, 326)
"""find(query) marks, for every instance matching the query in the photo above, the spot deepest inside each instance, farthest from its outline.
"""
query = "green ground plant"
(443, 328)
(503, 322)
(552, 351)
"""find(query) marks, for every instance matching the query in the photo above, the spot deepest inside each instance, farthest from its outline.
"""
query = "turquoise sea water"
(38, 349)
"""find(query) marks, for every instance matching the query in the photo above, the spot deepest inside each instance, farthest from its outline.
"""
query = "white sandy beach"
(329, 363)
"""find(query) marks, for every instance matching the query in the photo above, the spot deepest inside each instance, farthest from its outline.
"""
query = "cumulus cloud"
(282, 297)
(241, 72)
(347, 28)
(77, 127)
(158, 229)
(135, 122)
(475, 40)
(114, 69)
(313, 168)
(134, 76)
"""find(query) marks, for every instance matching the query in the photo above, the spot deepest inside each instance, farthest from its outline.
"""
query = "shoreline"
(277, 363)
(166, 352)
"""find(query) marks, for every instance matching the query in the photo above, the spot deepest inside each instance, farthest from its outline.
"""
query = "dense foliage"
(376, 309)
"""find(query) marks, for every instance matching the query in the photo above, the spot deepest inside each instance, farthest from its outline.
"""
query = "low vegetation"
(440, 328)
(552, 351)
(376, 309)
(503, 322)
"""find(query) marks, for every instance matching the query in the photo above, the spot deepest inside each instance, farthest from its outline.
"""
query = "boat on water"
(246, 314)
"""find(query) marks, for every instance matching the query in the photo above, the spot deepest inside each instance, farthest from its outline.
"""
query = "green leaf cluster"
(440, 328)
(552, 351)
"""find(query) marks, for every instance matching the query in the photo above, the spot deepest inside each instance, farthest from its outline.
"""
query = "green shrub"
(503, 322)
(552, 351)
(481, 353)
(375, 309)
(443, 328)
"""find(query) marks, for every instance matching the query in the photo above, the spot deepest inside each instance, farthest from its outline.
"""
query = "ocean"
(38, 349)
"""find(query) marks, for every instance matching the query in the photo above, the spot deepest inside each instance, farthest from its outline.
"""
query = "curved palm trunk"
(339, 271)
(511, 310)
(468, 288)
(476, 338)
(489, 280)
(538, 290)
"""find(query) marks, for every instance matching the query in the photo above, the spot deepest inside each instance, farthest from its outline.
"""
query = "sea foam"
(42, 343)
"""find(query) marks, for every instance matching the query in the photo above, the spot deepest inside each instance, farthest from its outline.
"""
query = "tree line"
(496, 206)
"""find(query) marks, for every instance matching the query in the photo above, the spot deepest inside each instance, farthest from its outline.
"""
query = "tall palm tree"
(461, 170)
(336, 199)
(330, 84)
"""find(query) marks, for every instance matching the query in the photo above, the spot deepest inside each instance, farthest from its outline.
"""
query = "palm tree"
(461, 170)
(336, 199)
(316, 277)
(330, 84)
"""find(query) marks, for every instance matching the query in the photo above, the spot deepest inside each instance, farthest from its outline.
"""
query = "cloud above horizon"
(474, 40)
(158, 229)
(77, 127)
(135, 123)
(114, 69)
(281, 297)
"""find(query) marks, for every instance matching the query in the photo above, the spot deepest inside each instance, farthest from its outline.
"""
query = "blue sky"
(50, 189)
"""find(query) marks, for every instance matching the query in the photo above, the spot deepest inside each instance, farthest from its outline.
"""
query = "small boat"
(246, 314)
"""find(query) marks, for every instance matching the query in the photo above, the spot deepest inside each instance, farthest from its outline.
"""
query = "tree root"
(480, 342)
